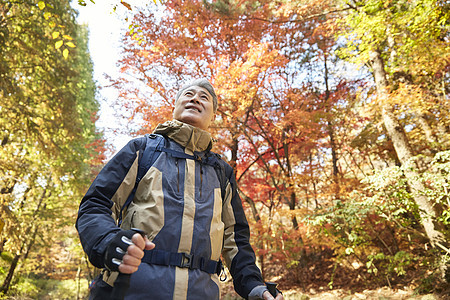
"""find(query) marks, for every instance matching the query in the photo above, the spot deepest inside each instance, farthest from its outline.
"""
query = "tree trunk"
(78, 279)
(252, 205)
(330, 128)
(404, 153)
(7, 282)
(234, 151)
(336, 187)
(30, 238)
(443, 132)
(431, 139)
(234, 147)
(292, 204)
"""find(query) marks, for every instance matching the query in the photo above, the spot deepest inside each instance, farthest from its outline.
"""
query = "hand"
(126, 251)
(268, 296)
(135, 252)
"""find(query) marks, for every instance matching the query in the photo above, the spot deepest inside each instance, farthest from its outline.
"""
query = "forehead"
(197, 89)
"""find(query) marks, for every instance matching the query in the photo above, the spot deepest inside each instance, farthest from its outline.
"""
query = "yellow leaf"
(58, 44)
(55, 34)
(70, 44)
(67, 37)
(66, 53)
(41, 5)
(47, 15)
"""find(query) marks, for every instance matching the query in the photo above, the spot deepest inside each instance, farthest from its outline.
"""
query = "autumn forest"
(334, 115)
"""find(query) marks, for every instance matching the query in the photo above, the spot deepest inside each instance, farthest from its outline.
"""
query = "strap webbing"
(179, 154)
(182, 260)
(154, 146)
(148, 158)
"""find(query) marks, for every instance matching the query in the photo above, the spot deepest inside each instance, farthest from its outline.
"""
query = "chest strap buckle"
(186, 260)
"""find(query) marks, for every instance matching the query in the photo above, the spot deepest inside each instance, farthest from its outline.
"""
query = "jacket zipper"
(178, 175)
(201, 179)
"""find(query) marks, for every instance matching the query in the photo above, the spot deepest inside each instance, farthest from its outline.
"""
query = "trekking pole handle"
(122, 283)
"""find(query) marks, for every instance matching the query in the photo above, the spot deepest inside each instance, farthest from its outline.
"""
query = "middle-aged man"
(180, 207)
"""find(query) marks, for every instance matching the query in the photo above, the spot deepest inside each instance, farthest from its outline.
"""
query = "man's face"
(195, 107)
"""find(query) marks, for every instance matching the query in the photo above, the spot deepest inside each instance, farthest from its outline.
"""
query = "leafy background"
(334, 115)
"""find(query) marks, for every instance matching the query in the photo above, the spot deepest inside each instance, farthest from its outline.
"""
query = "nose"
(195, 98)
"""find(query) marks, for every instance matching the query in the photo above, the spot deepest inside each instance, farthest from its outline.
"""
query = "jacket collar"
(188, 136)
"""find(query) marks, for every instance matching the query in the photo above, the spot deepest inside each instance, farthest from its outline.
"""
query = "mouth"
(194, 108)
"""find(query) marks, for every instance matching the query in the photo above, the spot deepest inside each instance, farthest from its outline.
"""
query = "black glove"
(117, 249)
(272, 287)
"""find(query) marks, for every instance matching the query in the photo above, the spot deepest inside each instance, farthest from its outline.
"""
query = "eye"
(189, 93)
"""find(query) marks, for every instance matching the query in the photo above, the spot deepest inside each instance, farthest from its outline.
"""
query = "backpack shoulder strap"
(224, 172)
(153, 145)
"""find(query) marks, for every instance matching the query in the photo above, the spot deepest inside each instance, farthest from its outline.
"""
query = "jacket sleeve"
(96, 223)
(237, 252)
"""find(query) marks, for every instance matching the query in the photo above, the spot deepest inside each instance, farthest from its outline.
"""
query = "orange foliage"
(271, 120)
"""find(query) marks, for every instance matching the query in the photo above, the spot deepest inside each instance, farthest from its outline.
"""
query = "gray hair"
(201, 83)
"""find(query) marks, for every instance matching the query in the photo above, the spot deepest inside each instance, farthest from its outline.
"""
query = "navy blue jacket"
(178, 203)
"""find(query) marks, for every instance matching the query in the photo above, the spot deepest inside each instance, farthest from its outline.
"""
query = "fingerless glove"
(117, 248)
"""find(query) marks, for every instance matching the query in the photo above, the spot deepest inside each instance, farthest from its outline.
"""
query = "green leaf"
(41, 5)
(58, 44)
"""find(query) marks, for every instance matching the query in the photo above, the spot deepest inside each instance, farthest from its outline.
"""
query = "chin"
(190, 121)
